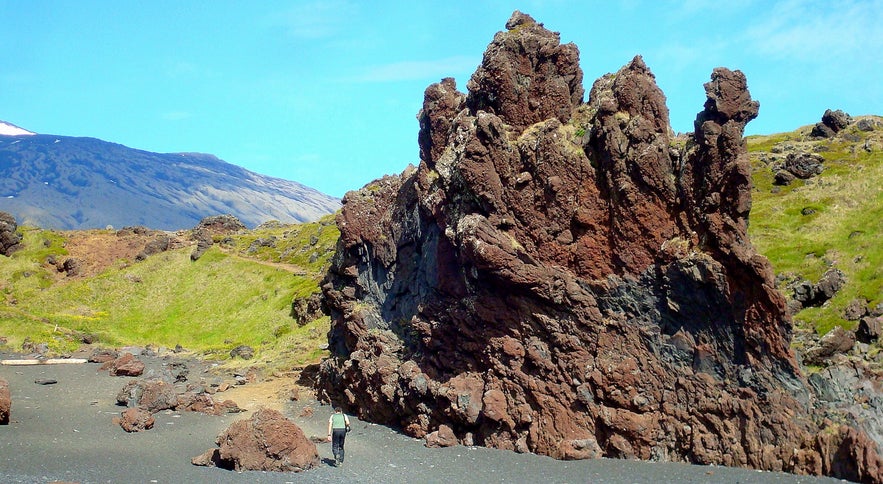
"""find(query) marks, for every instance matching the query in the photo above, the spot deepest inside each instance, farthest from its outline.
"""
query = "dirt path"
(64, 432)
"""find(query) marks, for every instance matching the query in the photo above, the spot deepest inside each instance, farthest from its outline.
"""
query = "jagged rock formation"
(567, 278)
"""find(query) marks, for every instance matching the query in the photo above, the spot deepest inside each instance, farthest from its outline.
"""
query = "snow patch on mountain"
(9, 129)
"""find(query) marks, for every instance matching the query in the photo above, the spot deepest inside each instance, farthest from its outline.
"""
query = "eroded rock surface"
(567, 278)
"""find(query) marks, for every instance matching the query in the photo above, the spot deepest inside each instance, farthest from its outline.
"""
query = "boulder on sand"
(136, 420)
(265, 442)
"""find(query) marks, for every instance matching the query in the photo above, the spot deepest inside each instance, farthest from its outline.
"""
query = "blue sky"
(326, 92)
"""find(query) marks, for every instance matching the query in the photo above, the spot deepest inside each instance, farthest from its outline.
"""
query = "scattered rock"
(807, 294)
(443, 437)
(124, 365)
(867, 124)
(869, 329)
(832, 281)
(804, 165)
(855, 310)
(103, 355)
(10, 239)
(70, 266)
(242, 351)
(821, 130)
(783, 178)
(160, 243)
(838, 340)
(203, 242)
(5, 402)
(204, 403)
(265, 442)
(150, 394)
(136, 420)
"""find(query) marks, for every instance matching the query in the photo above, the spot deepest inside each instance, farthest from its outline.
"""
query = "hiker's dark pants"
(338, 436)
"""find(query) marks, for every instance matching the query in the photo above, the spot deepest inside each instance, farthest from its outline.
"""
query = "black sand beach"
(64, 431)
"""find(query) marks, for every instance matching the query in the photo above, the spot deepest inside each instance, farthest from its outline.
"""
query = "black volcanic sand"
(64, 431)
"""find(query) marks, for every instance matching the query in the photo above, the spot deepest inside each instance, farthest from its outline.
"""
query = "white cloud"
(419, 70)
(841, 32)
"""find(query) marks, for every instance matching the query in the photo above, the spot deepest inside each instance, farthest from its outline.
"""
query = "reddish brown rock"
(204, 403)
(566, 278)
(265, 442)
(136, 420)
(125, 365)
(5, 402)
(443, 437)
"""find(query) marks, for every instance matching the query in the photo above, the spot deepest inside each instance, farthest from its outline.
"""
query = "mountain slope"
(64, 182)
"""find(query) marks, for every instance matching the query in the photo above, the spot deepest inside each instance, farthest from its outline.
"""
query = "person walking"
(338, 426)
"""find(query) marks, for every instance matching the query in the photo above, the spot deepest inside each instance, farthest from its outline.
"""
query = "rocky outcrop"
(832, 123)
(10, 239)
(220, 225)
(567, 278)
(265, 442)
(5, 402)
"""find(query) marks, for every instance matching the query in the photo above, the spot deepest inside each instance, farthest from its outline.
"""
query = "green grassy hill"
(834, 219)
(239, 292)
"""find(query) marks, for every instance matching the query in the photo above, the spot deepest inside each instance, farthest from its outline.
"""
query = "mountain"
(569, 278)
(63, 182)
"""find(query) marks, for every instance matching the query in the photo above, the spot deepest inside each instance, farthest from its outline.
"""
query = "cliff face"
(566, 278)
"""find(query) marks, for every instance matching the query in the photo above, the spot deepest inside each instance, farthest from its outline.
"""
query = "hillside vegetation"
(240, 292)
(831, 220)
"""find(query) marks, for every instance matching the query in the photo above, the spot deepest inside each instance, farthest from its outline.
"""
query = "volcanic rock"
(265, 442)
(836, 120)
(5, 402)
(804, 165)
(220, 225)
(204, 403)
(869, 329)
(125, 365)
(101, 355)
(832, 123)
(203, 242)
(566, 278)
(136, 420)
(70, 266)
(838, 340)
(151, 394)
(10, 239)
